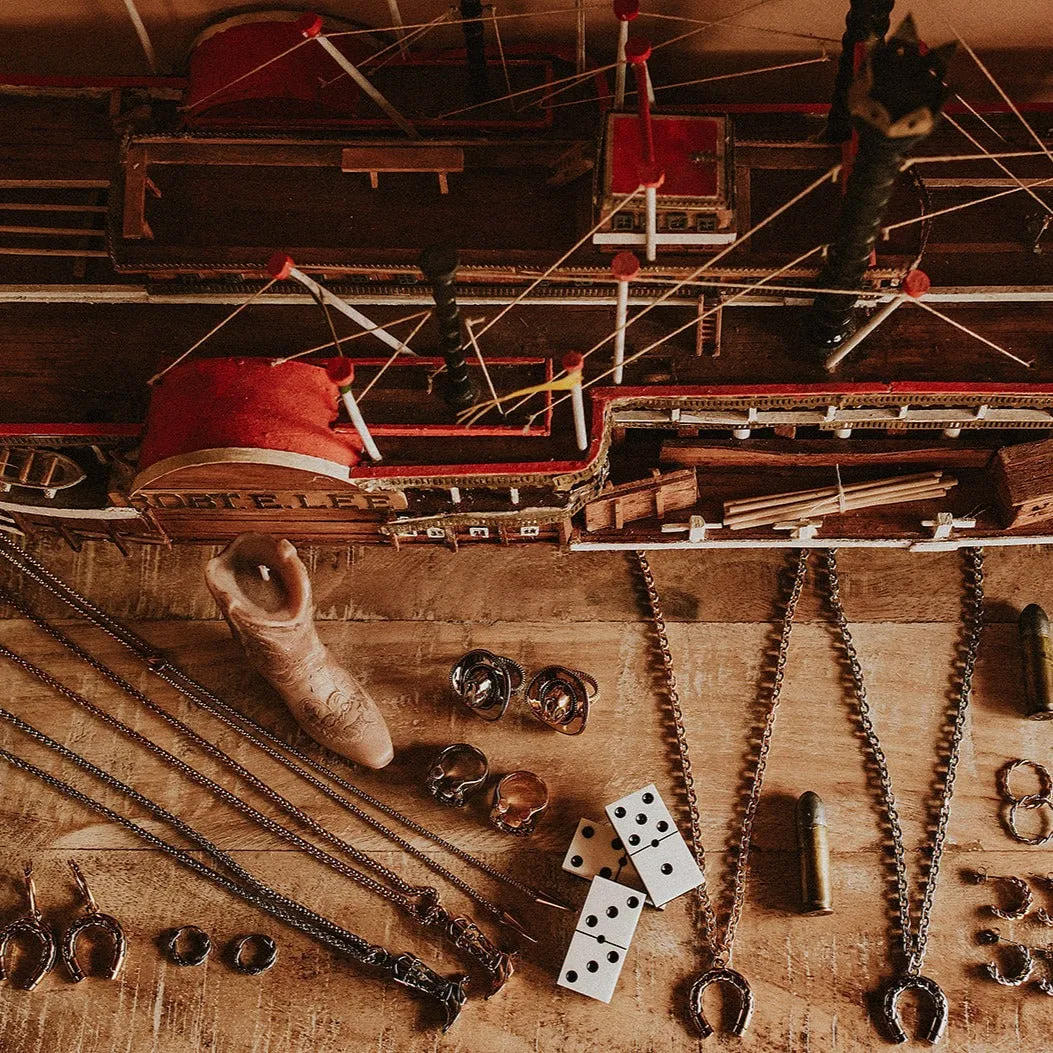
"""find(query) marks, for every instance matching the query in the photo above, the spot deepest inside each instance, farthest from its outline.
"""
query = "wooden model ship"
(673, 251)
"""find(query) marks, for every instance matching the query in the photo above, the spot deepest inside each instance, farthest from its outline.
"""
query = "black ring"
(200, 945)
(267, 953)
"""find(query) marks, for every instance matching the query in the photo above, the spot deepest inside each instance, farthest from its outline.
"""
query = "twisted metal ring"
(1045, 782)
(485, 682)
(1031, 803)
(266, 956)
(1023, 972)
(1026, 898)
(200, 945)
(560, 698)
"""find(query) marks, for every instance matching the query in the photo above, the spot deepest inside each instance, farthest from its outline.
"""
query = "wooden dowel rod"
(833, 507)
(763, 502)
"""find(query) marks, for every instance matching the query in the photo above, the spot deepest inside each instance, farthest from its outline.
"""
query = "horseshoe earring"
(92, 918)
(30, 924)
(1025, 897)
(1025, 961)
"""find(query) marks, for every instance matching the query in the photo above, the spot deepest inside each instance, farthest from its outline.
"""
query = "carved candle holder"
(264, 592)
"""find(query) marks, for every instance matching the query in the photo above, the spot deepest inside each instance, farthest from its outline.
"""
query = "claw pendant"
(732, 979)
(890, 1008)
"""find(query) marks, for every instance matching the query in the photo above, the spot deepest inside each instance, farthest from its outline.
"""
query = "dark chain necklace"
(405, 969)
(420, 903)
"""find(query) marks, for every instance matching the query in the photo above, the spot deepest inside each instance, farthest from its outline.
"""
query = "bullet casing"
(1036, 648)
(813, 849)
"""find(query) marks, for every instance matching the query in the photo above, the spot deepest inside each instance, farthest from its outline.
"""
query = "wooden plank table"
(400, 619)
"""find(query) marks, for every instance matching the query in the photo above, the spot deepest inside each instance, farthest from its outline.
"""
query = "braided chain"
(914, 941)
(271, 744)
(720, 946)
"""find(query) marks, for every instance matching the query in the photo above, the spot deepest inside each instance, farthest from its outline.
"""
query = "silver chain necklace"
(915, 938)
(720, 943)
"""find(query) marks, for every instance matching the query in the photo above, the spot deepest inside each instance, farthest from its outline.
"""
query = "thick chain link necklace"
(421, 903)
(405, 969)
(914, 939)
(720, 943)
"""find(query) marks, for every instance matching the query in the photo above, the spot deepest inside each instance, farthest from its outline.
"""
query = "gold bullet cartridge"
(1036, 648)
(814, 851)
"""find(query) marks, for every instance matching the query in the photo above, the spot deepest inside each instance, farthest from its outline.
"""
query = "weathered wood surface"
(399, 620)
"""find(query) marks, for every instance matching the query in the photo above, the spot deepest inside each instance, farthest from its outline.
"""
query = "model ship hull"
(180, 222)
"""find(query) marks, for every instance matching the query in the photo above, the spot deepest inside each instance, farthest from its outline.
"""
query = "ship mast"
(895, 101)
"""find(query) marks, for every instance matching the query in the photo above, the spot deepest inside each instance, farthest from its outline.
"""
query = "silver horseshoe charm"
(890, 1008)
(734, 980)
(92, 918)
(30, 924)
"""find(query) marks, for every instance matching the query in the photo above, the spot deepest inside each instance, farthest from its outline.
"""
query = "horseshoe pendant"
(890, 1008)
(734, 980)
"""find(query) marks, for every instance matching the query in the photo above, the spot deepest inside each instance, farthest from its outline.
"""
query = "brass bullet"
(1036, 647)
(814, 851)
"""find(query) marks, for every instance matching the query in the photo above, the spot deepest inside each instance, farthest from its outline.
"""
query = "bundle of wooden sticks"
(789, 508)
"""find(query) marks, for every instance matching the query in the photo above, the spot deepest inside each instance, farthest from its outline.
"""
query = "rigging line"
(245, 76)
(998, 87)
(877, 294)
(329, 320)
(579, 80)
(142, 34)
(500, 47)
(570, 252)
(215, 329)
(1005, 168)
(462, 21)
(527, 91)
(404, 41)
(966, 329)
(688, 325)
(966, 204)
(357, 336)
(922, 159)
(981, 118)
(469, 325)
(395, 354)
(704, 80)
(735, 25)
(610, 66)
(831, 174)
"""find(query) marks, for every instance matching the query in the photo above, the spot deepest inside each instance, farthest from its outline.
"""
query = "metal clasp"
(732, 979)
(890, 1008)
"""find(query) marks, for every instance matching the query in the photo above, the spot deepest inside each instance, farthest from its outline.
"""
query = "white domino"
(662, 858)
(601, 940)
(597, 851)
